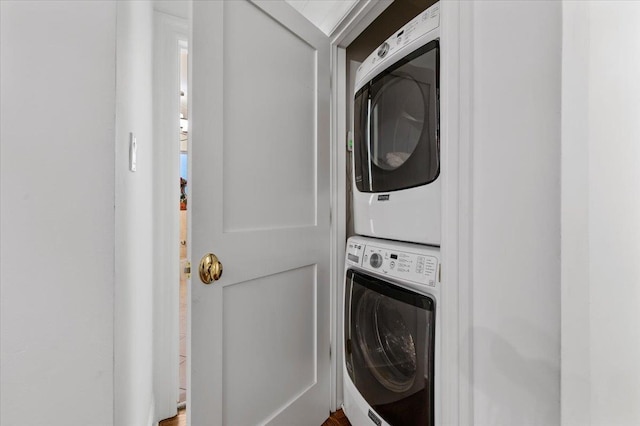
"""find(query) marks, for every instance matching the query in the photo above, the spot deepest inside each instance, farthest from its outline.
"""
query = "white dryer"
(396, 149)
(391, 333)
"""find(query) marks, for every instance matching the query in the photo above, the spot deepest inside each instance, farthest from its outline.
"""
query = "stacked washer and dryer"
(392, 268)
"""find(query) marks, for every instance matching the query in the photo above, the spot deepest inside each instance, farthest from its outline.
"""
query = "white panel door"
(260, 202)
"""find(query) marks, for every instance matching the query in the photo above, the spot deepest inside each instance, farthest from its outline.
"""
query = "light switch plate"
(133, 152)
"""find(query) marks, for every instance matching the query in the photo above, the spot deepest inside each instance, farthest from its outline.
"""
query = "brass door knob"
(210, 268)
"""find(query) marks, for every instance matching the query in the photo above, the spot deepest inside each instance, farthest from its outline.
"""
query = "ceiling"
(324, 14)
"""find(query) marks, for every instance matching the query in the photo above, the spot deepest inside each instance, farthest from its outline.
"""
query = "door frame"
(457, 154)
(171, 34)
(357, 20)
(457, 189)
(457, 212)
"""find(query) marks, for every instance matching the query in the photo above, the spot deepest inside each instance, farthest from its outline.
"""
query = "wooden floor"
(179, 420)
(337, 419)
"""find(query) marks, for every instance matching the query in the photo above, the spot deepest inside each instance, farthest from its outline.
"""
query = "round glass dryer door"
(397, 120)
(396, 124)
(386, 342)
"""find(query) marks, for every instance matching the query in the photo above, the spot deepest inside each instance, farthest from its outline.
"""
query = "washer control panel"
(407, 266)
(394, 260)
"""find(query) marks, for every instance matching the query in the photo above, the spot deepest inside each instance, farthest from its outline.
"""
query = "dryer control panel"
(402, 42)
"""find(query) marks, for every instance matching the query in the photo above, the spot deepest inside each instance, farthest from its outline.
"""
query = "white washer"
(391, 333)
(396, 150)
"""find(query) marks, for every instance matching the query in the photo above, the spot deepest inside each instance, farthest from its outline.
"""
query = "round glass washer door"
(386, 343)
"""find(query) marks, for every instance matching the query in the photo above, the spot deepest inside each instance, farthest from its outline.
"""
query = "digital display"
(353, 257)
(394, 256)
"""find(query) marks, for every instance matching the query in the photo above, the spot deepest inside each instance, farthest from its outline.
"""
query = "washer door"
(389, 334)
(386, 342)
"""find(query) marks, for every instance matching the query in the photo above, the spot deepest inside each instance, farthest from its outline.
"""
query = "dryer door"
(389, 348)
(396, 125)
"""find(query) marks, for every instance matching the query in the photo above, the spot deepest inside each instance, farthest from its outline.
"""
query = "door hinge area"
(187, 270)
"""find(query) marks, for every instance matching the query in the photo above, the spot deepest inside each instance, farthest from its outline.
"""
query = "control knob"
(375, 260)
(383, 50)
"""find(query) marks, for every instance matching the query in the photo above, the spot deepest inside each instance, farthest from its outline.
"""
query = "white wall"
(601, 214)
(516, 213)
(134, 353)
(57, 212)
